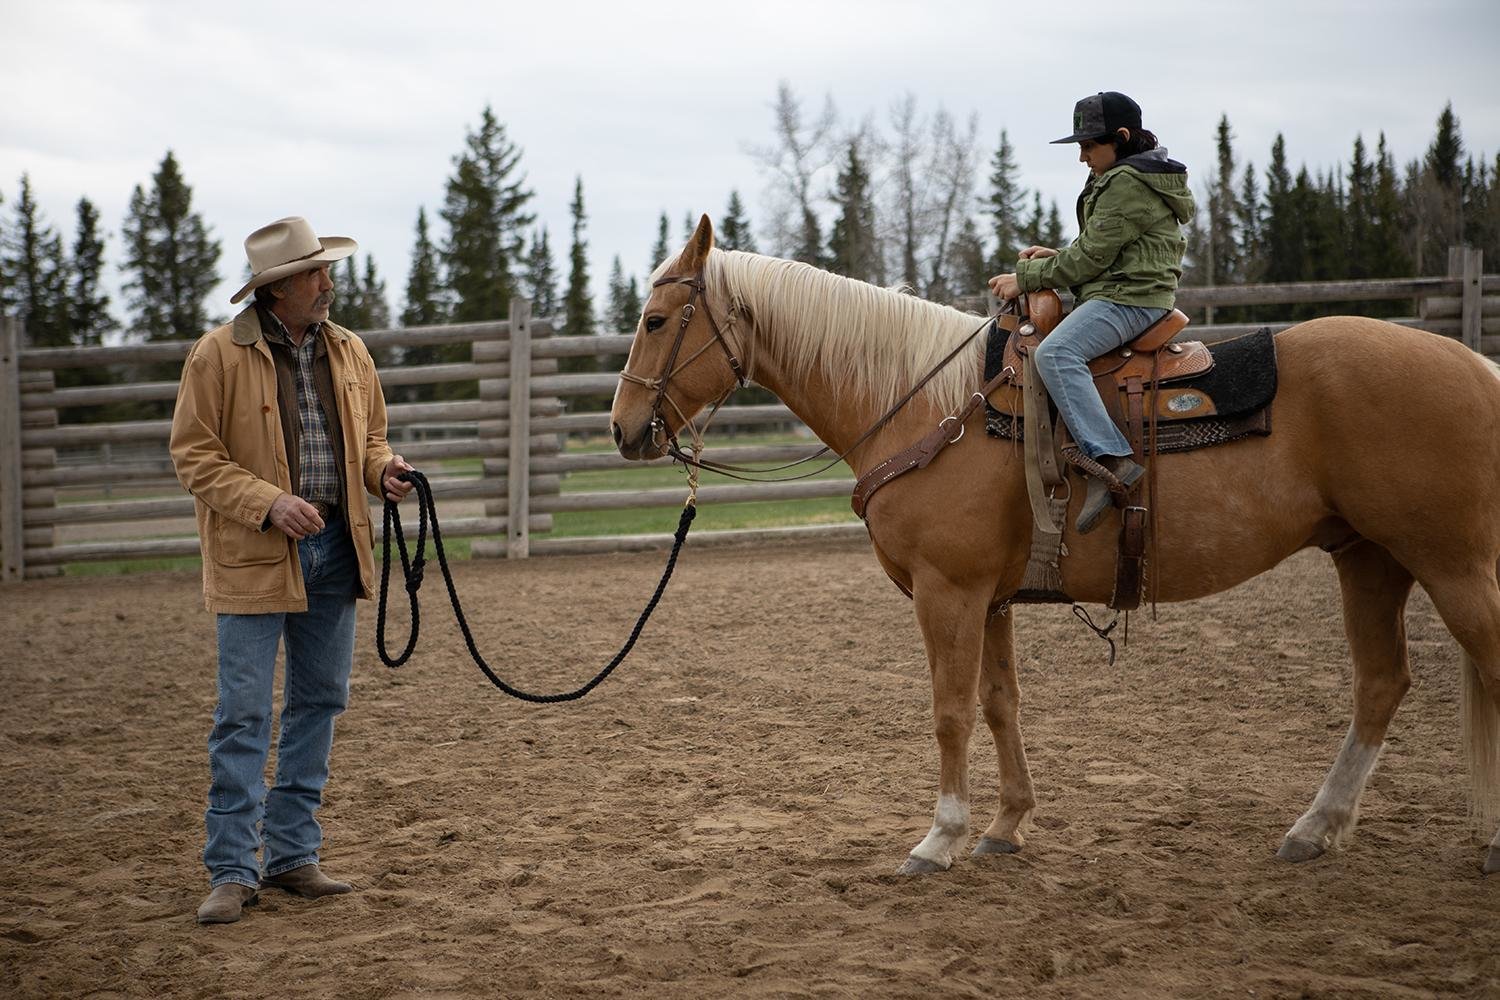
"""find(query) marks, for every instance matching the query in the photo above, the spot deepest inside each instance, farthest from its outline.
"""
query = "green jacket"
(1130, 244)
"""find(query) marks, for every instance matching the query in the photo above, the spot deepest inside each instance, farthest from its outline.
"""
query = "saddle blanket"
(1240, 384)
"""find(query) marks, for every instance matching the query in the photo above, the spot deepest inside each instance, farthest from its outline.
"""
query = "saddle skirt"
(1205, 396)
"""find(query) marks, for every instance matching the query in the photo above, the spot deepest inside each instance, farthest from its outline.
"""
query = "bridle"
(693, 461)
(672, 367)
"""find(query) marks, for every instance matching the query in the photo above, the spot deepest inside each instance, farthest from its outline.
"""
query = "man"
(278, 433)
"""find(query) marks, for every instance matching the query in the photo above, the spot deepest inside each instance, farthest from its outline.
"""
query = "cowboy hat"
(285, 247)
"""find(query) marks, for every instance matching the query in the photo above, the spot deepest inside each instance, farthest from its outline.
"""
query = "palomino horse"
(1386, 452)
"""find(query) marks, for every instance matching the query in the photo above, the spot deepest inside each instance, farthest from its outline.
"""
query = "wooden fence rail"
(517, 429)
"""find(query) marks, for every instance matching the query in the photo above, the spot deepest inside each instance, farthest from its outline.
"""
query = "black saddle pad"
(1242, 384)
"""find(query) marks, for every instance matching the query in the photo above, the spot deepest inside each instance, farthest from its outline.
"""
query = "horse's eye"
(653, 323)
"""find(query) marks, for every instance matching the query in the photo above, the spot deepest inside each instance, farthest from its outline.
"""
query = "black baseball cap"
(1098, 116)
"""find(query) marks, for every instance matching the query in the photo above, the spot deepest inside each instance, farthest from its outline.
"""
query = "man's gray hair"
(266, 294)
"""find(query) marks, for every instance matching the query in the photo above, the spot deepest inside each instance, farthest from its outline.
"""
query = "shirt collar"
(276, 330)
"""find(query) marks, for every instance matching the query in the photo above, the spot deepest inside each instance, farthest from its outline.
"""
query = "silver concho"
(1185, 402)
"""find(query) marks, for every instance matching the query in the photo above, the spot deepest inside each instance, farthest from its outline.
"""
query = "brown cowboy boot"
(223, 905)
(306, 881)
(1122, 472)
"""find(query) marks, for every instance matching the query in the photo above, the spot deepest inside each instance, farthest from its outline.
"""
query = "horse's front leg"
(1000, 697)
(952, 623)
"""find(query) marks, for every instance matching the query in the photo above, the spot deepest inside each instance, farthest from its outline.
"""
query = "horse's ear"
(700, 244)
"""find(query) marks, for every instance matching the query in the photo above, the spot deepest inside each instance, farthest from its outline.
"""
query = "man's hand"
(295, 516)
(1032, 253)
(1005, 286)
(395, 489)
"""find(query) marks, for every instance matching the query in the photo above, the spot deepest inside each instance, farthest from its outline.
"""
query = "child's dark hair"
(1139, 142)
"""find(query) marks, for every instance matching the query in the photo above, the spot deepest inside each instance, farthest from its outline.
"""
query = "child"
(1123, 272)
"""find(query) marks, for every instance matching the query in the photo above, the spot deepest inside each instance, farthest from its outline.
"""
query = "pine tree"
(1360, 216)
(348, 297)
(733, 232)
(968, 263)
(539, 279)
(89, 318)
(1388, 225)
(662, 249)
(1252, 227)
(37, 286)
(1285, 243)
(809, 240)
(1034, 231)
(578, 303)
(360, 299)
(486, 217)
(1438, 197)
(1006, 203)
(426, 305)
(1052, 233)
(851, 244)
(1223, 208)
(170, 259)
(424, 286)
(624, 310)
(376, 306)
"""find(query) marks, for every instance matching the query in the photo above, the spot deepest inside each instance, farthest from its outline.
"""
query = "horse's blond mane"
(865, 340)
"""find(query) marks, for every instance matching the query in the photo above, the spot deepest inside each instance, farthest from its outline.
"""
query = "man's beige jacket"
(230, 453)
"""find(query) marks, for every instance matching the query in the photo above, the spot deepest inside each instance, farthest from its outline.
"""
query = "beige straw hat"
(285, 247)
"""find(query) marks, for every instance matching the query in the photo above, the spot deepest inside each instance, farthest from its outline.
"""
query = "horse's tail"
(1481, 739)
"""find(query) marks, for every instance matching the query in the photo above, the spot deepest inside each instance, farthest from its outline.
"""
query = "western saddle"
(1127, 379)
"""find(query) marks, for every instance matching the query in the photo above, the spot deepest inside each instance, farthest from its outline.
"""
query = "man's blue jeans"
(319, 654)
(1096, 327)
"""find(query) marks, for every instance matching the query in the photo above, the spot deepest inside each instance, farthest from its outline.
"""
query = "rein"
(673, 448)
(412, 571)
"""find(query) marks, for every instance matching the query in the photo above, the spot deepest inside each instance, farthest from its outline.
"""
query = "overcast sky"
(350, 113)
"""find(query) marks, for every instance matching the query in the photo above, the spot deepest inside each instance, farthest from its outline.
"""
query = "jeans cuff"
(232, 880)
(287, 866)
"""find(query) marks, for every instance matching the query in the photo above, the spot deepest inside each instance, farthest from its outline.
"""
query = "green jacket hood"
(1165, 176)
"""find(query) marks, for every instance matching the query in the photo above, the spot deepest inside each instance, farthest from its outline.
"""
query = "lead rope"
(412, 570)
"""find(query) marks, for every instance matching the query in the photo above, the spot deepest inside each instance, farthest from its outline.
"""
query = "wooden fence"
(518, 429)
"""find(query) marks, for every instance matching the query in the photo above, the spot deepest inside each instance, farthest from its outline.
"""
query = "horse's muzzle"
(638, 447)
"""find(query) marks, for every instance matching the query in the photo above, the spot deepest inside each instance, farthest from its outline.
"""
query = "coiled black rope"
(412, 570)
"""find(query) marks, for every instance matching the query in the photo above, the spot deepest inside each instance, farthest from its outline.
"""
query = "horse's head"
(674, 369)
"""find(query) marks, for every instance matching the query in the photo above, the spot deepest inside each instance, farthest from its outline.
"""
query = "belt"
(325, 510)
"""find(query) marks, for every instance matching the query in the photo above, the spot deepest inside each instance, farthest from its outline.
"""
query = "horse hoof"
(920, 866)
(1492, 861)
(987, 845)
(1298, 851)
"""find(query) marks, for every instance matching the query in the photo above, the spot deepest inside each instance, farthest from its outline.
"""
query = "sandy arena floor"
(725, 816)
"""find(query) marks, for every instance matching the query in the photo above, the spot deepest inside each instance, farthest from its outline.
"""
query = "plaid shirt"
(318, 471)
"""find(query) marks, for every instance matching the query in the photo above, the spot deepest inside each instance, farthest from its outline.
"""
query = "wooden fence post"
(518, 474)
(1470, 318)
(12, 529)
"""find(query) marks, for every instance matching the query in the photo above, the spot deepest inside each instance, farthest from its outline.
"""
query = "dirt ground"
(725, 815)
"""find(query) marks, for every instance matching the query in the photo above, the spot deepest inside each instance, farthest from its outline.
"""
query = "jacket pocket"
(237, 545)
(357, 393)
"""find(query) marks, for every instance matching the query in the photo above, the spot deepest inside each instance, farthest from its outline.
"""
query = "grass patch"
(639, 521)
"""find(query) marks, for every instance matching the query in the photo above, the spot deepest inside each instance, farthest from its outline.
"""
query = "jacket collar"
(245, 331)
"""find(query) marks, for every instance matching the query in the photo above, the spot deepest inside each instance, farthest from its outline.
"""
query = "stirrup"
(1089, 467)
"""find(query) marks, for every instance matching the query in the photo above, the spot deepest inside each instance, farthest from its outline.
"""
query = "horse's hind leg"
(952, 621)
(1000, 697)
(1470, 605)
(1375, 588)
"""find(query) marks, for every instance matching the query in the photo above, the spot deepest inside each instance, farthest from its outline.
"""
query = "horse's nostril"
(618, 434)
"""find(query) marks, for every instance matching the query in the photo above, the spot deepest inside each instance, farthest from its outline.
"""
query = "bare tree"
(802, 151)
(951, 168)
(908, 189)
